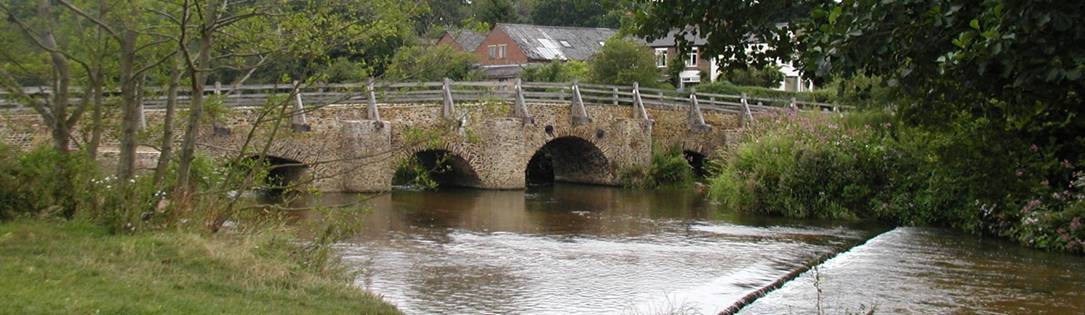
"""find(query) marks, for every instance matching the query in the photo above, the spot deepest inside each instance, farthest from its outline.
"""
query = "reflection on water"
(572, 249)
(930, 271)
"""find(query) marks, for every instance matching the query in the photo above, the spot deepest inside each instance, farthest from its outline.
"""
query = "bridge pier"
(365, 163)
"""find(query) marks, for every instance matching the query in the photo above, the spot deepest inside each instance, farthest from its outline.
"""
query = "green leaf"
(974, 24)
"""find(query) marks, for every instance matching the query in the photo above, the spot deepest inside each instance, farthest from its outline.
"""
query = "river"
(571, 249)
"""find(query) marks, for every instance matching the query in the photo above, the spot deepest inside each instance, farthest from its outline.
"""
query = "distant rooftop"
(557, 42)
(467, 39)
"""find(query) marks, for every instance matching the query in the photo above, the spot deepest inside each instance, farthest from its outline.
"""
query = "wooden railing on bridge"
(462, 91)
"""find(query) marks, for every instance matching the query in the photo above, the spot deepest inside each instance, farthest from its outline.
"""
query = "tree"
(1017, 64)
(577, 13)
(494, 11)
(432, 63)
(623, 62)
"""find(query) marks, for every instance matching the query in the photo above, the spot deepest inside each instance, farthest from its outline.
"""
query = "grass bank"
(70, 267)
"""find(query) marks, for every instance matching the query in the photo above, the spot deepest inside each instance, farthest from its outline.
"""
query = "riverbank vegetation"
(75, 241)
(668, 169)
(867, 165)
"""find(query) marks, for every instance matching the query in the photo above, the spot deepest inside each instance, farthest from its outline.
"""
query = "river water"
(570, 249)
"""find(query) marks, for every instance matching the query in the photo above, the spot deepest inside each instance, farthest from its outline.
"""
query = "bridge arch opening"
(278, 175)
(698, 162)
(568, 159)
(432, 169)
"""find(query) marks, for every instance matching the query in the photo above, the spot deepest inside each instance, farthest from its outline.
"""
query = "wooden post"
(447, 110)
(374, 114)
(794, 104)
(614, 90)
(218, 88)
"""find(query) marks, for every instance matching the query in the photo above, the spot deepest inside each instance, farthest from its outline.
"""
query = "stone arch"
(448, 165)
(569, 159)
(282, 174)
(697, 161)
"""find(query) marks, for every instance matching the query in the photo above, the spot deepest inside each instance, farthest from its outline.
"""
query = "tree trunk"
(130, 102)
(188, 144)
(166, 150)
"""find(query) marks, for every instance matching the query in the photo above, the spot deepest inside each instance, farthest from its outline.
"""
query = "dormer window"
(566, 44)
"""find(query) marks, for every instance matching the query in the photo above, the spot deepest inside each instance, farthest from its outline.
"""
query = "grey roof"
(668, 41)
(468, 39)
(557, 42)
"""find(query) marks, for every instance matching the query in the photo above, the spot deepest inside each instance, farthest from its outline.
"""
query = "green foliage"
(668, 168)
(768, 76)
(494, 11)
(432, 63)
(868, 166)
(556, 71)
(622, 62)
(584, 13)
(784, 97)
(44, 182)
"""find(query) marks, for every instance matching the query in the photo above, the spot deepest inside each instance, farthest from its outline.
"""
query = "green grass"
(79, 268)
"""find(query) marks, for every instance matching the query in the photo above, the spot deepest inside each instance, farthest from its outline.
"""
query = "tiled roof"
(468, 39)
(557, 42)
(668, 41)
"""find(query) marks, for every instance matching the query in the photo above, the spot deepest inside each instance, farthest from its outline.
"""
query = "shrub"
(556, 71)
(44, 181)
(432, 63)
(768, 77)
(668, 168)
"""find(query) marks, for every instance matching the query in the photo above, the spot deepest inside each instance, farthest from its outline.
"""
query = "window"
(692, 60)
(497, 51)
(661, 57)
(566, 44)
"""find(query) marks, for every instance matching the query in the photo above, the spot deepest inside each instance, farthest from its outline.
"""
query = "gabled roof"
(467, 39)
(556, 42)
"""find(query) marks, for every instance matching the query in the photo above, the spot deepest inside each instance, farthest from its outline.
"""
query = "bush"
(768, 77)
(668, 168)
(432, 63)
(865, 165)
(728, 88)
(44, 181)
(556, 71)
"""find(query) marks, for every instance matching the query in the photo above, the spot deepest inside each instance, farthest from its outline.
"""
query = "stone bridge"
(487, 143)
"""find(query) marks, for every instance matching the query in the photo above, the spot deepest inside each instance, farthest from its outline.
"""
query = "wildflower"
(1075, 223)
(1033, 148)
(1031, 205)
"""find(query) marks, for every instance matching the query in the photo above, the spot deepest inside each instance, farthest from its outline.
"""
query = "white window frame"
(691, 62)
(661, 57)
(492, 51)
(502, 51)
